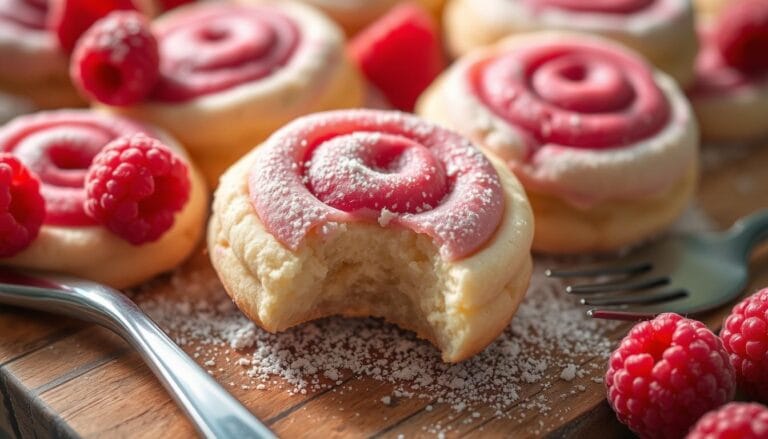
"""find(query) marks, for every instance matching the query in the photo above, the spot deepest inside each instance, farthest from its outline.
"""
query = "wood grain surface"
(61, 378)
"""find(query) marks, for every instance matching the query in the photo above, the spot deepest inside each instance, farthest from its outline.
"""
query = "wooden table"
(62, 378)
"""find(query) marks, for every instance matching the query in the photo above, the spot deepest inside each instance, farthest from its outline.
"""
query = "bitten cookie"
(373, 213)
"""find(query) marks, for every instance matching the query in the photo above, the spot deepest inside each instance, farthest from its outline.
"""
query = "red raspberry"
(401, 54)
(745, 336)
(22, 208)
(134, 187)
(69, 19)
(116, 62)
(741, 34)
(665, 374)
(736, 420)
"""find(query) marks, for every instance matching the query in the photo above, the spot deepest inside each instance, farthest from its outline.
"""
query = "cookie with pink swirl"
(231, 74)
(34, 66)
(730, 94)
(661, 30)
(374, 213)
(59, 147)
(605, 145)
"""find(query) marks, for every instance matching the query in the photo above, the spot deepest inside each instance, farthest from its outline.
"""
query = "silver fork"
(213, 411)
(685, 274)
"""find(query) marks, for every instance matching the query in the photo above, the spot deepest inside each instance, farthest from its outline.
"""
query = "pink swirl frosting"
(212, 47)
(27, 14)
(364, 165)
(577, 94)
(59, 146)
(603, 6)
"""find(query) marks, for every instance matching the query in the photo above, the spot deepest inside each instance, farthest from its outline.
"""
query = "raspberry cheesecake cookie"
(231, 74)
(115, 204)
(34, 65)
(374, 213)
(730, 94)
(605, 146)
(661, 30)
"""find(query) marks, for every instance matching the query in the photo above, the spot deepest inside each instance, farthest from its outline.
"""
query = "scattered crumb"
(569, 373)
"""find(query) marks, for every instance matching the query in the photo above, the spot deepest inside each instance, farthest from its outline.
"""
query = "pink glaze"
(347, 166)
(580, 94)
(212, 47)
(603, 6)
(26, 14)
(58, 146)
(713, 75)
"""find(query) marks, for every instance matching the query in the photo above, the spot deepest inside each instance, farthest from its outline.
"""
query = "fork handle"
(749, 231)
(213, 411)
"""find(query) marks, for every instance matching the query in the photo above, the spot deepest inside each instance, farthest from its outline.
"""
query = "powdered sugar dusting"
(549, 345)
(287, 181)
(549, 334)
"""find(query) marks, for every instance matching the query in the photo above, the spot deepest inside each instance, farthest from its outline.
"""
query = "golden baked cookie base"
(564, 229)
(363, 269)
(96, 254)
(52, 93)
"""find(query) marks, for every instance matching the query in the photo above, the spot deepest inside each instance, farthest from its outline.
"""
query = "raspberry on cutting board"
(135, 186)
(400, 54)
(665, 374)
(117, 62)
(736, 420)
(745, 336)
(22, 208)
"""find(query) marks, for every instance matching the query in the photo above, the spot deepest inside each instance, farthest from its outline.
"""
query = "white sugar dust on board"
(546, 342)
(550, 345)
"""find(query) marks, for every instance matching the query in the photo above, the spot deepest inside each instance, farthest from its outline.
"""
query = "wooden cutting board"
(62, 378)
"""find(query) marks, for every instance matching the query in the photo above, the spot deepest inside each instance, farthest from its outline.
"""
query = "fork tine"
(601, 271)
(637, 299)
(612, 314)
(617, 286)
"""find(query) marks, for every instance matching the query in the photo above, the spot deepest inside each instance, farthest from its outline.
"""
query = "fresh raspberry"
(116, 62)
(745, 336)
(400, 54)
(736, 420)
(741, 34)
(665, 374)
(22, 208)
(134, 187)
(69, 19)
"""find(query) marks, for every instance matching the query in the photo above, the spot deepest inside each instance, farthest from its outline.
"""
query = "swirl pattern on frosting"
(59, 146)
(208, 49)
(576, 94)
(603, 6)
(365, 165)
(582, 124)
